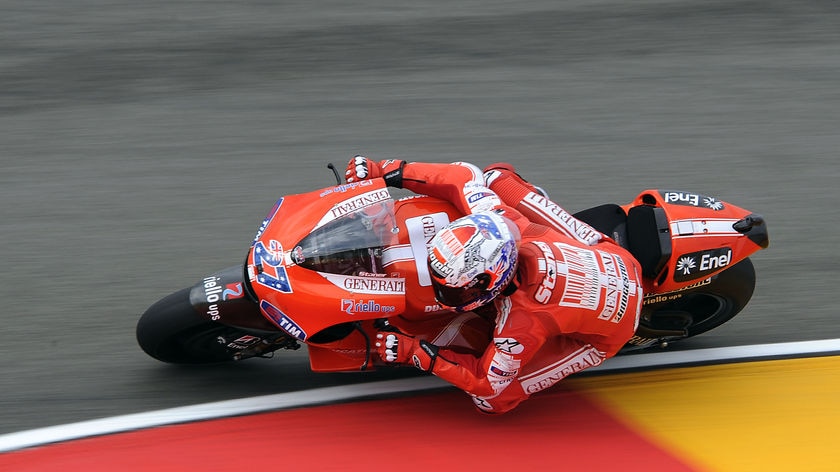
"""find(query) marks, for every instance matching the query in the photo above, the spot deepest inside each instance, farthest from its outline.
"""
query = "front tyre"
(171, 331)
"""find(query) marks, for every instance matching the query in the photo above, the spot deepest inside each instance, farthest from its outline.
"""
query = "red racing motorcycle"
(329, 268)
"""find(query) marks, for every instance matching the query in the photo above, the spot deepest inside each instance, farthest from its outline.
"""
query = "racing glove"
(361, 168)
(403, 349)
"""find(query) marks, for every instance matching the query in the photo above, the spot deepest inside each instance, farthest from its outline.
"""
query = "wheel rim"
(695, 314)
(204, 344)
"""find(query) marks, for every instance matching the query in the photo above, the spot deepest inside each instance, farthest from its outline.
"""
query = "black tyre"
(700, 309)
(171, 331)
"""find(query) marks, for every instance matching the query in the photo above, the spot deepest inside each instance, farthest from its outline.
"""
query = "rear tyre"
(700, 309)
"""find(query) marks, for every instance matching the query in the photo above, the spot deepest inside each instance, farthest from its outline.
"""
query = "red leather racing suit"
(579, 293)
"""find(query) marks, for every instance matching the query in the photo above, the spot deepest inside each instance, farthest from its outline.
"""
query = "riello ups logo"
(700, 264)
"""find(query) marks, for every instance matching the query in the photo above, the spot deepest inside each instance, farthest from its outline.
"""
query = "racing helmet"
(473, 259)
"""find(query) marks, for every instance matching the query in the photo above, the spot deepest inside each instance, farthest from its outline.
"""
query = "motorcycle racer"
(566, 297)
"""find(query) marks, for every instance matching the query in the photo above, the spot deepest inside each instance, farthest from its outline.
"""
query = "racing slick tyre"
(171, 331)
(702, 308)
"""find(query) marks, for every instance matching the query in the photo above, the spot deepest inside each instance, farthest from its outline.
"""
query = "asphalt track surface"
(142, 143)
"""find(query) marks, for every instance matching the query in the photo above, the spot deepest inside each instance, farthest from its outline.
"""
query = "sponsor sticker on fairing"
(352, 306)
(692, 199)
(215, 293)
(233, 291)
(345, 187)
(367, 285)
(702, 263)
(653, 298)
(282, 320)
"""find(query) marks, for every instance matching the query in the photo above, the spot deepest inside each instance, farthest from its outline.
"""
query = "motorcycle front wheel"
(172, 331)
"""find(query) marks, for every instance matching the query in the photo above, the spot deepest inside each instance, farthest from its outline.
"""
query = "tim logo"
(282, 320)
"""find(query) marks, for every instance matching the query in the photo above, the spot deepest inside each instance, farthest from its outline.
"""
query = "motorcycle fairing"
(699, 236)
(224, 297)
(320, 252)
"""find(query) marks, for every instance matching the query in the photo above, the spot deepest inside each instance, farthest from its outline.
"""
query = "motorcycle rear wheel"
(698, 310)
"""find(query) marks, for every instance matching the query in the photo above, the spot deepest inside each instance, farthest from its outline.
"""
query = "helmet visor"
(457, 297)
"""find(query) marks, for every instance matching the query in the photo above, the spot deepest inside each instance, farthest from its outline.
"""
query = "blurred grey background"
(142, 143)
